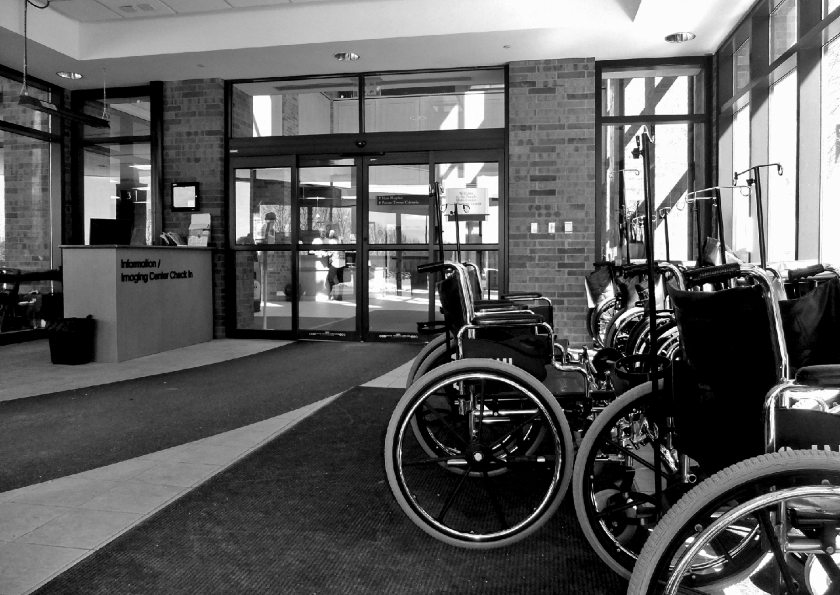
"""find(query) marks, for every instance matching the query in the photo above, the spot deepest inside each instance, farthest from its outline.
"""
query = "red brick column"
(552, 179)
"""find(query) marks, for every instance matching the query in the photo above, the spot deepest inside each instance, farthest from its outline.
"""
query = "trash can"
(71, 340)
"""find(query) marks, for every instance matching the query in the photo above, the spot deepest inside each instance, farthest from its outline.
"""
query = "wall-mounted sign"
(401, 199)
(470, 201)
(184, 196)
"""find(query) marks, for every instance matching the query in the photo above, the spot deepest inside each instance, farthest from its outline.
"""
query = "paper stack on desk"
(199, 230)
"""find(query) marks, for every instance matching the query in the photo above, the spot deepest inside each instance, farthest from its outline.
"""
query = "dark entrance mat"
(311, 513)
(59, 434)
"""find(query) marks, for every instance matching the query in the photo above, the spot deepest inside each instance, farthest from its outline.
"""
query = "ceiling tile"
(183, 6)
(138, 8)
(84, 10)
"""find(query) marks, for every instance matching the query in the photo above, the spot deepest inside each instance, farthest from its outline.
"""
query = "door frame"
(268, 156)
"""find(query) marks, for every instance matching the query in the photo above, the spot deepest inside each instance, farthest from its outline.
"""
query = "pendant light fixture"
(27, 100)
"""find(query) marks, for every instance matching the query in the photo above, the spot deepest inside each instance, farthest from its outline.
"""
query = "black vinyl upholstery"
(812, 326)
(731, 361)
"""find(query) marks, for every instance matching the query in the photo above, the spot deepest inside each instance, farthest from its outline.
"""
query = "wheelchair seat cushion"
(822, 376)
(812, 326)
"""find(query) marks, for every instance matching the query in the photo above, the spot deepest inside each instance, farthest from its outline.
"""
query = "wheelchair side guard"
(529, 353)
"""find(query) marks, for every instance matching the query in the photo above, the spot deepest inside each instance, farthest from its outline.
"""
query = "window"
(781, 190)
(30, 219)
(394, 102)
(782, 28)
(830, 170)
(741, 66)
(669, 102)
(118, 168)
(742, 224)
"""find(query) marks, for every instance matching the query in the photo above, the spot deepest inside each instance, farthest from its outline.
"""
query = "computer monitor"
(110, 232)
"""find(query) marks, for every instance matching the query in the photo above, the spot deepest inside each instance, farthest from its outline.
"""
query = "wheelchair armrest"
(511, 317)
(521, 295)
(823, 376)
(490, 304)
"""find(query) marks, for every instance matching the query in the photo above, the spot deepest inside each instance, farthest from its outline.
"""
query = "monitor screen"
(110, 232)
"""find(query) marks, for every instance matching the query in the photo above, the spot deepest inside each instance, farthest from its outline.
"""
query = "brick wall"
(552, 179)
(193, 151)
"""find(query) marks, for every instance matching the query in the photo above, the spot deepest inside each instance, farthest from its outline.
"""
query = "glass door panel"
(264, 293)
(327, 227)
(398, 296)
(399, 236)
(263, 206)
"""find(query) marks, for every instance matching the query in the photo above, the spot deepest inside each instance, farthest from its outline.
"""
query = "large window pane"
(657, 91)
(399, 204)
(471, 189)
(117, 186)
(741, 66)
(263, 206)
(296, 108)
(782, 28)
(464, 100)
(128, 117)
(781, 191)
(327, 302)
(830, 170)
(25, 228)
(673, 160)
(742, 225)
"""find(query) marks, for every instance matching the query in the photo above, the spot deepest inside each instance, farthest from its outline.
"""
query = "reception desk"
(145, 299)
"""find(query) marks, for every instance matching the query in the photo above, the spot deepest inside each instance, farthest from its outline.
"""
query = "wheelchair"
(649, 447)
(441, 349)
(774, 517)
(478, 451)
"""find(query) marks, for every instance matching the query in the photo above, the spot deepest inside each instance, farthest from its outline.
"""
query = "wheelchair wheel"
(621, 327)
(430, 348)
(599, 320)
(614, 479)
(506, 486)
(773, 489)
(432, 427)
(638, 341)
(668, 343)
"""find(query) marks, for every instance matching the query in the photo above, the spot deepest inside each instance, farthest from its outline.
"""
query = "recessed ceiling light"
(507, 47)
(69, 75)
(346, 56)
(680, 37)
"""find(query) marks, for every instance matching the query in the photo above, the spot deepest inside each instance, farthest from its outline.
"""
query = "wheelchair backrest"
(812, 326)
(732, 353)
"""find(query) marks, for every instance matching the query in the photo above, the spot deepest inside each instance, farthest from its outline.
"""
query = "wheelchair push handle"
(810, 271)
(714, 274)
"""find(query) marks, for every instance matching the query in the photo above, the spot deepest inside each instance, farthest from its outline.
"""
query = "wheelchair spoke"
(430, 461)
(831, 570)
(445, 424)
(498, 442)
(453, 494)
(494, 500)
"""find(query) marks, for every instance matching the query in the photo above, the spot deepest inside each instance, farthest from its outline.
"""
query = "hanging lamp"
(27, 100)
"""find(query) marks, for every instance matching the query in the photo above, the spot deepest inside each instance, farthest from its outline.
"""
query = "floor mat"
(311, 513)
(60, 434)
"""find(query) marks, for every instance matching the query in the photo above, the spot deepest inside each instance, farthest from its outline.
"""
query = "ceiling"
(131, 42)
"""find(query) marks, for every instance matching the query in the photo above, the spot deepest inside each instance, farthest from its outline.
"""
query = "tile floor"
(48, 527)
